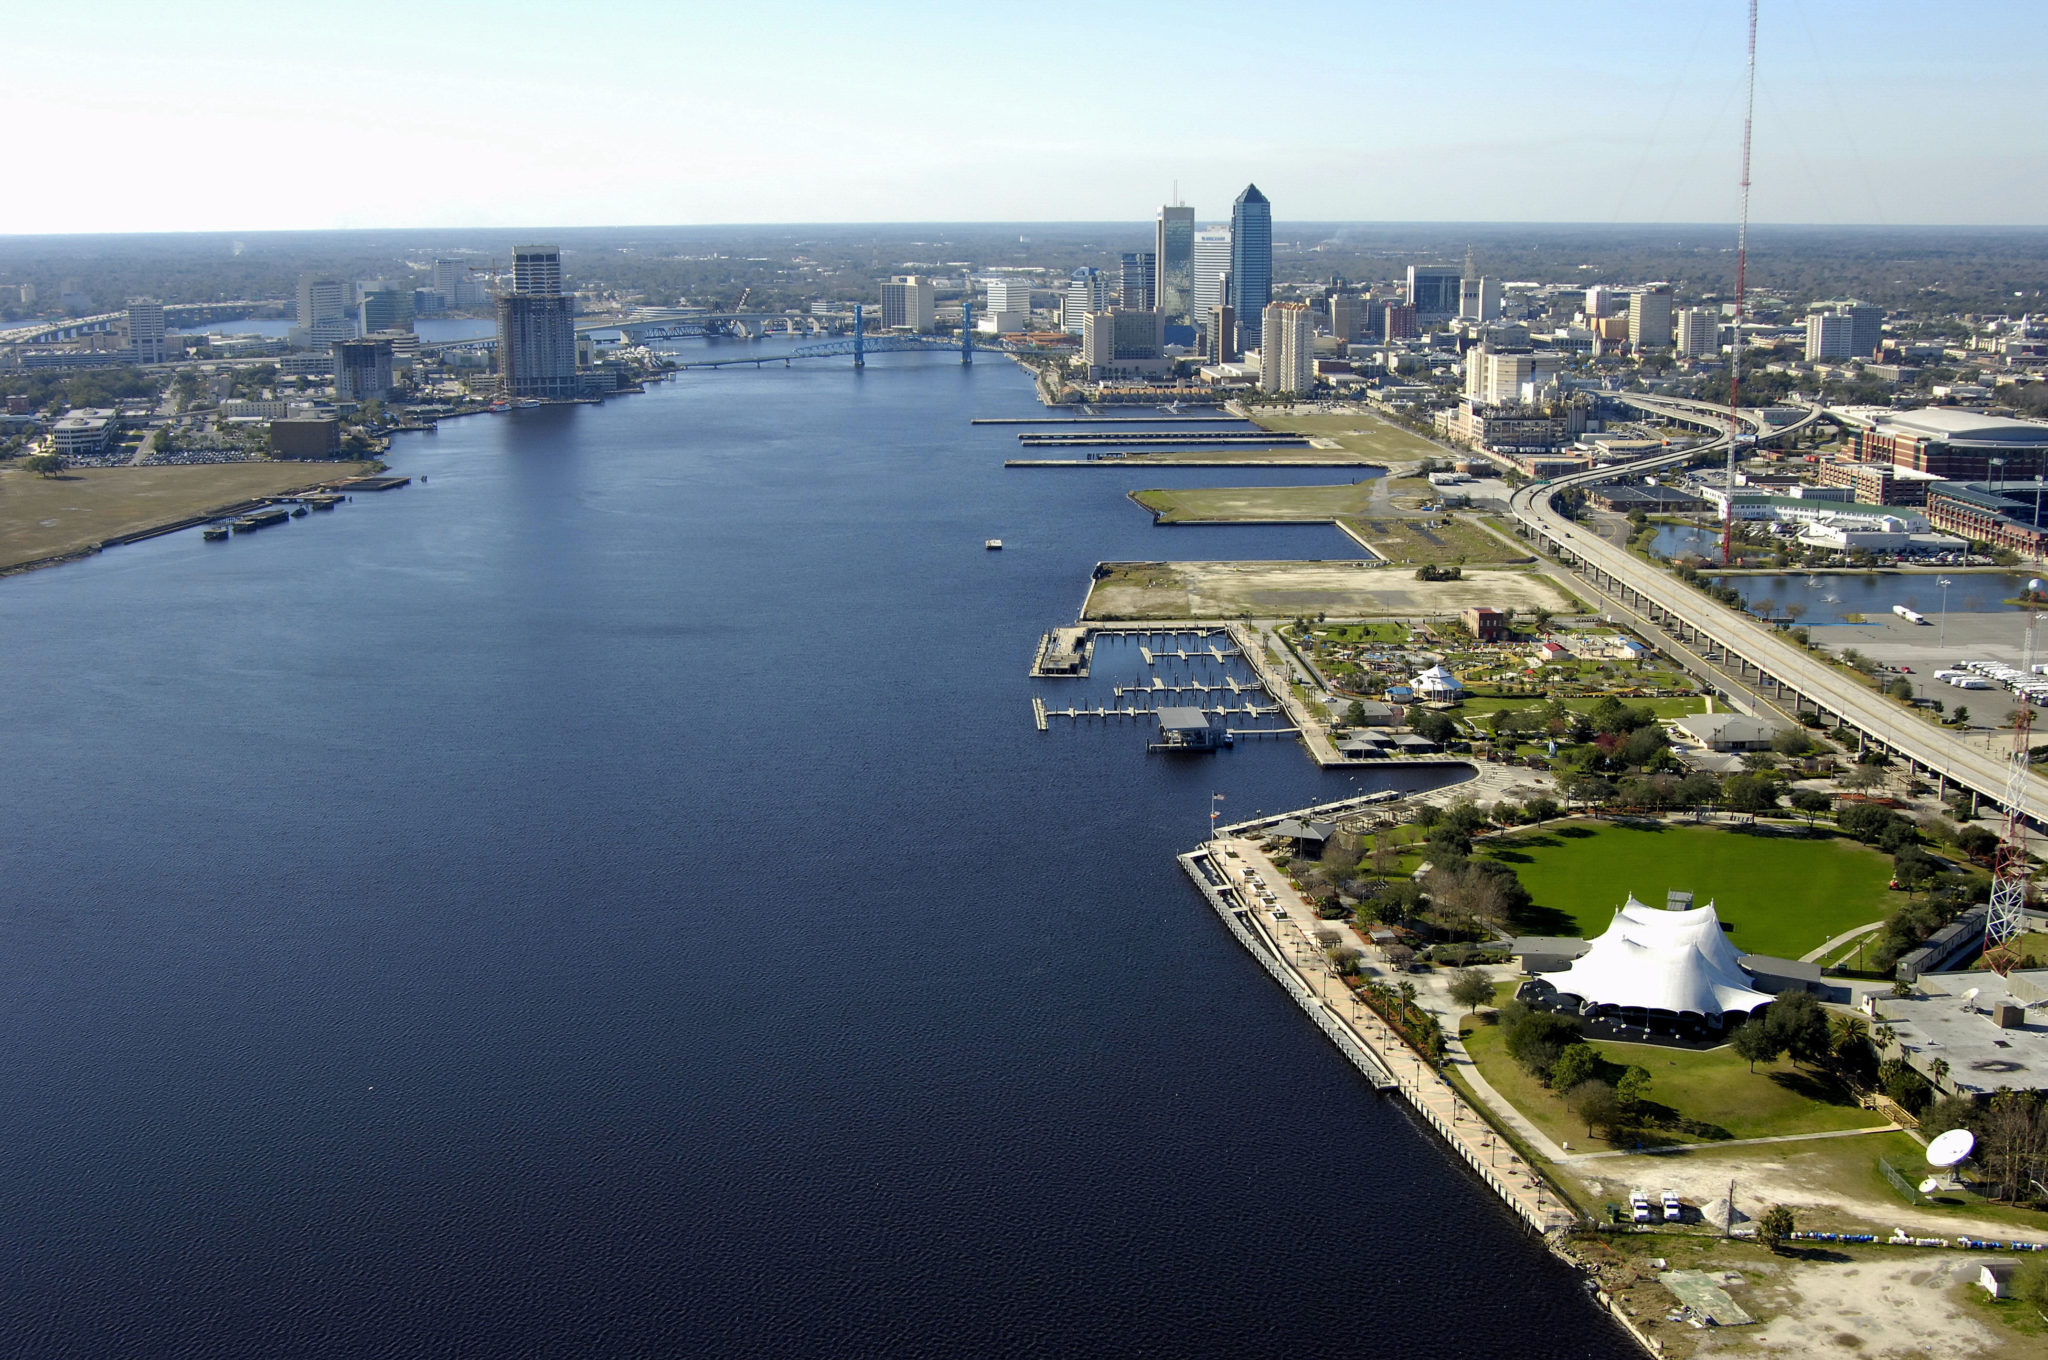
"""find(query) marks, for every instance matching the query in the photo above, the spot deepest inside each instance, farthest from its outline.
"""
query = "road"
(1678, 608)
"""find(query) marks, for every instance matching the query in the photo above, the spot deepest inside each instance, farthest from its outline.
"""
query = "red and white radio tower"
(2007, 919)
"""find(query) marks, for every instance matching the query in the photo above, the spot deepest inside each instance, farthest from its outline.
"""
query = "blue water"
(611, 900)
(1675, 540)
(1825, 597)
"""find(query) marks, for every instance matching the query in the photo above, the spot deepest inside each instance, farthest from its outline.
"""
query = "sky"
(213, 115)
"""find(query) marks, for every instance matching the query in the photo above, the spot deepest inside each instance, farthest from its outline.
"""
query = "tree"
(1811, 803)
(1578, 1063)
(1848, 1035)
(1750, 794)
(44, 464)
(1541, 809)
(1433, 726)
(1594, 1103)
(1471, 988)
(1797, 1024)
(1775, 1228)
(1961, 717)
(1755, 1043)
(1354, 716)
(1863, 777)
(1632, 1090)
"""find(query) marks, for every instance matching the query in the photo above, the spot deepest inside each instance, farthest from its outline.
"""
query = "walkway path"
(1728, 1143)
(1813, 955)
(1292, 938)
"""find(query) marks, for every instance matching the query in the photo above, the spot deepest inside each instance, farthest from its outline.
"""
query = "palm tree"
(1938, 1069)
(1847, 1033)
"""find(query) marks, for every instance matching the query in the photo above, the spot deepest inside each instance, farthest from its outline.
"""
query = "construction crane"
(1741, 270)
(2006, 919)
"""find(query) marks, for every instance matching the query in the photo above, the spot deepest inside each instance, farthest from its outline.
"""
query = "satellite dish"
(1950, 1148)
(1930, 1185)
(1970, 998)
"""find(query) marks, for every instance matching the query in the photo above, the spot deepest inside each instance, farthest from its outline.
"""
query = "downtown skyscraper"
(1173, 249)
(1251, 254)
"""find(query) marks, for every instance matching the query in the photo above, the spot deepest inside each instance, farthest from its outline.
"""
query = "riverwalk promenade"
(1276, 925)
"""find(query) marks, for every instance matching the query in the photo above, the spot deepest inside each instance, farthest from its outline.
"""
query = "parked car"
(1674, 1209)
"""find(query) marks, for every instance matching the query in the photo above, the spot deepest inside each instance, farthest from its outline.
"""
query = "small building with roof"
(1728, 731)
(1188, 729)
(1438, 684)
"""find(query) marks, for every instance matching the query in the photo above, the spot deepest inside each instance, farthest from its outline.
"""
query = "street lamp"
(1941, 634)
(1997, 477)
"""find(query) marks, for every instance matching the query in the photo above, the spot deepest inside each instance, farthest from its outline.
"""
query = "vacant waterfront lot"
(1777, 893)
(1342, 590)
(1234, 504)
(1359, 431)
(50, 516)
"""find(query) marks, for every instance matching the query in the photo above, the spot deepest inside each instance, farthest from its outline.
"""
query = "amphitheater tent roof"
(1651, 959)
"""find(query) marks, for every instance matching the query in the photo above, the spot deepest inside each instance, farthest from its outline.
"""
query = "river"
(609, 898)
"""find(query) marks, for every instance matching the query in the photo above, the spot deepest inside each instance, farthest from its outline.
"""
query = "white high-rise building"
(1829, 335)
(1603, 300)
(1699, 332)
(1212, 265)
(908, 303)
(1009, 295)
(1494, 377)
(1649, 316)
(324, 312)
(1287, 349)
(146, 330)
(1089, 290)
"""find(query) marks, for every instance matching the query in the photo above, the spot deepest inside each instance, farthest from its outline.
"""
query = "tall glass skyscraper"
(1174, 248)
(1251, 254)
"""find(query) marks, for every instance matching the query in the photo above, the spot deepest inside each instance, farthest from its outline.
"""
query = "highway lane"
(1818, 681)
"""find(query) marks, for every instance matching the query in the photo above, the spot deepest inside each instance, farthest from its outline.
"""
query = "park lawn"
(1360, 432)
(1234, 503)
(1362, 632)
(75, 512)
(1777, 893)
(1705, 1097)
(1583, 703)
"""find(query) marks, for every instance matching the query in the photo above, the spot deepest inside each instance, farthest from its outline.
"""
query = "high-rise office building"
(1212, 265)
(537, 270)
(1829, 335)
(1251, 253)
(1699, 332)
(1494, 377)
(1009, 295)
(1649, 316)
(362, 370)
(1347, 317)
(1865, 333)
(146, 330)
(908, 303)
(537, 328)
(1173, 245)
(1130, 338)
(457, 284)
(1287, 349)
(1398, 321)
(1603, 300)
(324, 312)
(1134, 287)
(1219, 335)
(1089, 290)
(385, 307)
(1433, 291)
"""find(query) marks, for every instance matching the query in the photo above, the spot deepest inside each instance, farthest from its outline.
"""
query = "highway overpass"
(1760, 655)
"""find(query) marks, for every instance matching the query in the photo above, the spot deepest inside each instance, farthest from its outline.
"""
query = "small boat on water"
(214, 533)
(298, 512)
(498, 406)
(992, 544)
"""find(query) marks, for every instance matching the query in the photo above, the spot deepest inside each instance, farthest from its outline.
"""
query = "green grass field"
(1403, 540)
(1705, 1097)
(1778, 894)
(1361, 433)
(1663, 708)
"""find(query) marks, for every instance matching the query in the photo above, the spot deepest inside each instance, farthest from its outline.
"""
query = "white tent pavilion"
(1438, 683)
(1677, 962)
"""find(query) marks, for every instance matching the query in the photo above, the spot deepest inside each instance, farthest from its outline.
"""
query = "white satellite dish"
(1970, 998)
(1930, 1185)
(1950, 1148)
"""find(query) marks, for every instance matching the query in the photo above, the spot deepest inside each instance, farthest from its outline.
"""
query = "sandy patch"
(1209, 590)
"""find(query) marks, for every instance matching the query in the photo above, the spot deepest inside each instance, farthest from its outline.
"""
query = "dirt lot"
(1211, 590)
(1359, 431)
(48, 516)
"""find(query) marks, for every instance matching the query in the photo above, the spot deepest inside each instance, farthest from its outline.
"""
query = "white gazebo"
(1650, 960)
(1437, 683)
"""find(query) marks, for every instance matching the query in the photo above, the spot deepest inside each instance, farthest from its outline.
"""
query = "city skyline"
(1618, 114)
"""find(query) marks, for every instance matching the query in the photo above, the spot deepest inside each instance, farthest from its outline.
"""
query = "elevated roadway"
(1790, 674)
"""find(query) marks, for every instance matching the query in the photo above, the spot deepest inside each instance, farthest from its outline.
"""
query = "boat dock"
(1268, 917)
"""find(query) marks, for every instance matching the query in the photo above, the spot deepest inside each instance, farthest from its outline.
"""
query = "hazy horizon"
(234, 116)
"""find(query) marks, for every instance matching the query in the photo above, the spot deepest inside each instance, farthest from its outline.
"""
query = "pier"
(1278, 936)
